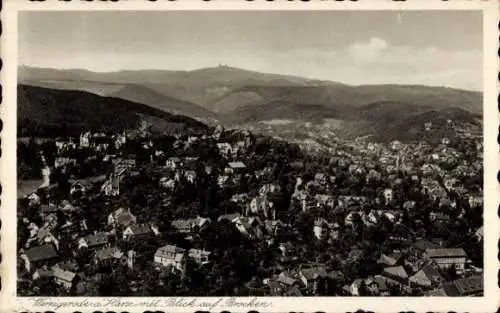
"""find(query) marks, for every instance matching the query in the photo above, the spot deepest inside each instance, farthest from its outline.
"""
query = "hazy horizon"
(353, 48)
(244, 69)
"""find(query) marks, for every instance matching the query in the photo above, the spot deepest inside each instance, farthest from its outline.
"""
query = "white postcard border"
(489, 302)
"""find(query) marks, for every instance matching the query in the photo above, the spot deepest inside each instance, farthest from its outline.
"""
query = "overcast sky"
(412, 47)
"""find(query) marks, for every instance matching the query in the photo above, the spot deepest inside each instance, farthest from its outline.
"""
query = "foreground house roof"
(426, 276)
(41, 253)
(469, 285)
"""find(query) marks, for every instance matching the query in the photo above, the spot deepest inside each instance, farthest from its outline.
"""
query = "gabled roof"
(62, 274)
(285, 279)
(396, 271)
(426, 276)
(446, 252)
(387, 260)
(169, 250)
(41, 253)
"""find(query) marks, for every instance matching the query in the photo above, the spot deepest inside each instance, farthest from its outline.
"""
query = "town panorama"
(236, 179)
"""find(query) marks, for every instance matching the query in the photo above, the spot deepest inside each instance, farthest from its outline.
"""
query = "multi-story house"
(62, 277)
(448, 257)
(171, 256)
(201, 257)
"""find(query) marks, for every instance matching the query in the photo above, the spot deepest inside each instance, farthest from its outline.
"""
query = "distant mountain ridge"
(233, 96)
(214, 75)
(224, 89)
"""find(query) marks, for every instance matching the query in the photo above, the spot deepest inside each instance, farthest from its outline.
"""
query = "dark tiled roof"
(424, 245)
(450, 290)
(431, 273)
(469, 285)
(40, 253)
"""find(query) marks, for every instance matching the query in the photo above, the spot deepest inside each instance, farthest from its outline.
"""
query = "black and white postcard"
(249, 156)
